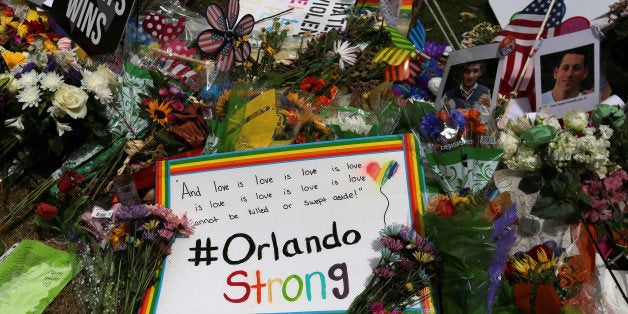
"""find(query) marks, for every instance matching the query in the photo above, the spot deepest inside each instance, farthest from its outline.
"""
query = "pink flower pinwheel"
(226, 38)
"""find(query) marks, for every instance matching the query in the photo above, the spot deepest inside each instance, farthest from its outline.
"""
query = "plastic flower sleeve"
(162, 38)
(465, 260)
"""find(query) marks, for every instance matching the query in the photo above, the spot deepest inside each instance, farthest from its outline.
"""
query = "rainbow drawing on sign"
(382, 174)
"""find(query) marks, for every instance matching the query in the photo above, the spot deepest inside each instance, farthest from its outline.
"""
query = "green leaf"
(570, 177)
(70, 213)
(559, 189)
(531, 182)
(550, 208)
(55, 145)
(583, 197)
(538, 135)
(46, 224)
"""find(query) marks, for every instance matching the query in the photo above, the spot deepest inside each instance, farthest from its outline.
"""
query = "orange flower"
(441, 206)
(312, 84)
(493, 211)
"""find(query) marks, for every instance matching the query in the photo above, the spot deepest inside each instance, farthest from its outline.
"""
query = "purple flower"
(391, 243)
(132, 212)
(376, 306)
(163, 92)
(177, 105)
(73, 76)
(28, 67)
(458, 119)
(424, 245)
(165, 233)
(406, 263)
(432, 125)
(148, 236)
(51, 65)
(174, 89)
(406, 233)
(383, 272)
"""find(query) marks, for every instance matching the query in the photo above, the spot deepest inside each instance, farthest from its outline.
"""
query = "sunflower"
(159, 111)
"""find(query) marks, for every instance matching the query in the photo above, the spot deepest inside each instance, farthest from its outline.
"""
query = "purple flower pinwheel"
(226, 38)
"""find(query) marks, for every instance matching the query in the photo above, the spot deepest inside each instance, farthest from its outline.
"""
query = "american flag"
(524, 28)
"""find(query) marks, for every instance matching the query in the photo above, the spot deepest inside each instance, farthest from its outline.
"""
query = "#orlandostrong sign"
(283, 229)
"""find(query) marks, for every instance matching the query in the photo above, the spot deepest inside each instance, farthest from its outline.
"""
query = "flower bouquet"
(52, 104)
(406, 267)
(543, 278)
(459, 149)
(125, 251)
(468, 218)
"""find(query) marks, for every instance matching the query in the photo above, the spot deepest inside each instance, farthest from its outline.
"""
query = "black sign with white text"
(96, 25)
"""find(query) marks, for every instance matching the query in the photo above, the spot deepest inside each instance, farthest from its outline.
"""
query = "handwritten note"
(284, 229)
(32, 275)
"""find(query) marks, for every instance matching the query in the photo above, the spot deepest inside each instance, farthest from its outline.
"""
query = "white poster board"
(306, 15)
(554, 74)
(284, 229)
(505, 9)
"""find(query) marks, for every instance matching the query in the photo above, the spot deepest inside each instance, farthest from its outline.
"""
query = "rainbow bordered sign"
(283, 229)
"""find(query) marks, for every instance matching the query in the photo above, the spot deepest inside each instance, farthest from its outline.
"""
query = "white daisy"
(63, 127)
(14, 123)
(29, 96)
(97, 84)
(29, 79)
(346, 53)
(50, 81)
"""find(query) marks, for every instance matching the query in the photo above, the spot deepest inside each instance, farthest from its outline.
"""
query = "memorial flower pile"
(407, 265)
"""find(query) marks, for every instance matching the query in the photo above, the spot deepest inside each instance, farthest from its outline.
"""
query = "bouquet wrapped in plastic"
(468, 230)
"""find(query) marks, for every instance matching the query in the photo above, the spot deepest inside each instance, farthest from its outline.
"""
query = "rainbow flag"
(406, 5)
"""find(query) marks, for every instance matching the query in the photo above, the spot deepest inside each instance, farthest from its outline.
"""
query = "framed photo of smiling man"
(568, 68)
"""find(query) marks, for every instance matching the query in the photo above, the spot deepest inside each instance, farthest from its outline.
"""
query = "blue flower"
(432, 125)
(458, 119)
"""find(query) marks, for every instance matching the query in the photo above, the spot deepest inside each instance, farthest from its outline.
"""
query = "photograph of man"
(569, 74)
(469, 91)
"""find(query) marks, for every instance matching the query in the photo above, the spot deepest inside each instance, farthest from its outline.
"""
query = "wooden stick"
(446, 23)
(440, 26)
(536, 42)
(514, 93)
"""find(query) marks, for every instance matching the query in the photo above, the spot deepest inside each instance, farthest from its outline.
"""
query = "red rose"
(45, 210)
(69, 180)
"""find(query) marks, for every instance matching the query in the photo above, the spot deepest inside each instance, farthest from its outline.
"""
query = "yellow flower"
(49, 46)
(32, 15)
(455, 199)
(159, 111)
(409, 287)
(20, 28)
(524, 265)
(423, 257)
(13, 58)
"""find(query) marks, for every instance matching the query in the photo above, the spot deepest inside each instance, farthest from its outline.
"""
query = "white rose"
(71, 100)
(576, 120)
(509, 143)
(12, 85)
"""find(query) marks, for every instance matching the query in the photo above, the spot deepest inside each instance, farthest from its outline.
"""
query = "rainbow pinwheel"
(227, 39)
